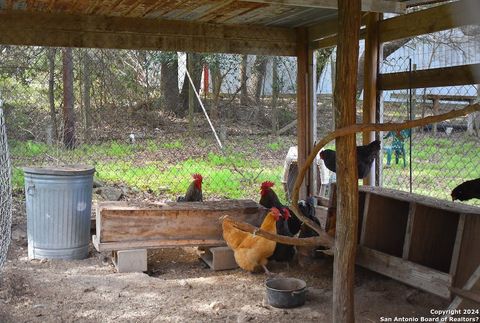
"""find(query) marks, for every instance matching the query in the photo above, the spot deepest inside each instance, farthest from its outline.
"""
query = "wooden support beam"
(67, 30)
(305, 107)
(331, 41)
(447, 16)
(366, 5)
(435, 77)
(349, 16)
(370, 83)
(328, 28)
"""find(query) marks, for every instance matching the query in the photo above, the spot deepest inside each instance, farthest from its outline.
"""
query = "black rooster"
(270, 199)
(194, 191)
(467, 190)
(365, 156)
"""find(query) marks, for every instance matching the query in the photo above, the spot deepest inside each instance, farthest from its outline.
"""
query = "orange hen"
(251, 251)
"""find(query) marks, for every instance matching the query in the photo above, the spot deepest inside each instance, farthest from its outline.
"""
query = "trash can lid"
(61, 170)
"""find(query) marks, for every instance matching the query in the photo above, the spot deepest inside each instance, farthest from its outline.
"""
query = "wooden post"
(370, 84)
(347, 184)
(305, 107)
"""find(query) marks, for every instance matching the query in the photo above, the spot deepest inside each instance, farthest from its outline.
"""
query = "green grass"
(275, 146)
(177, 144)
(439, 164)
(18, 180)
(219, 181)
(28, 149)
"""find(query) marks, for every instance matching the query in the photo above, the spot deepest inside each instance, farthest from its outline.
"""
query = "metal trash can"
(59, 204)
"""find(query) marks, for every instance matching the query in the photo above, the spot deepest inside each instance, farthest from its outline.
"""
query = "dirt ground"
(180, 288)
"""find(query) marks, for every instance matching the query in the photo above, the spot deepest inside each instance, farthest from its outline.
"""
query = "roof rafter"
(67, 30)
(367, 5)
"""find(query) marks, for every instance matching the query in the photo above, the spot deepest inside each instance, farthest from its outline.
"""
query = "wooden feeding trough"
(428, 243)
(121, 227)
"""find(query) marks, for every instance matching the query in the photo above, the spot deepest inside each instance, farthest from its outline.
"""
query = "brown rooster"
(251, 251)
(194, 191)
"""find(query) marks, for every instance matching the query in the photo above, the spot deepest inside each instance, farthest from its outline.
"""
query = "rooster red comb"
(267, 184)
(197, 177)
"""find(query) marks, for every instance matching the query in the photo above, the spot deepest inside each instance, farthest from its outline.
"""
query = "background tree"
(68, 100)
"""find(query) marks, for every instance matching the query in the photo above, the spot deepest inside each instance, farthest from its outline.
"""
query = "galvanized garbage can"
(59, 203)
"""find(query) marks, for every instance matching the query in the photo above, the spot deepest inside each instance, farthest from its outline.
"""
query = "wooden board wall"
(175, 221)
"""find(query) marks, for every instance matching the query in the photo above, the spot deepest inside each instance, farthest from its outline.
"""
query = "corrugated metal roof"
(211, 11)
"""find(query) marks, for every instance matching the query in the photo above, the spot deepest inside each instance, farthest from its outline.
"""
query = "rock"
(217, 306)
(184, 283)
(97, 183)
(111, 193)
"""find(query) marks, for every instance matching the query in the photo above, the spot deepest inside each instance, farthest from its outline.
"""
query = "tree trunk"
(216, 88)
(275, 93)
(87, 113)
(243, 81)
(259, 71)
(196, 74)
(191, 96)
(349, 16)
(68, 100)
(323, 56)
(169, 84)
(51, 91)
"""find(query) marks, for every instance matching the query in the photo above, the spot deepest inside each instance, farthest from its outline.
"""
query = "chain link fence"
(132, 115)
(5, 192)
(434, 159)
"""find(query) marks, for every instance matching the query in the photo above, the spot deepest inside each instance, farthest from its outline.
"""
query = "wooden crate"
(424, 242)
(122, 227)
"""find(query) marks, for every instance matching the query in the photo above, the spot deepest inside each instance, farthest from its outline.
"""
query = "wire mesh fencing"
(434, 159)
(5, 192)
(133, 115)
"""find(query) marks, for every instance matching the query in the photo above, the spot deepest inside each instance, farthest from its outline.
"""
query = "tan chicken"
(251, 251)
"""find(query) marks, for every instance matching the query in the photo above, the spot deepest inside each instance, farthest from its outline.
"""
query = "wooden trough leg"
(128, 261)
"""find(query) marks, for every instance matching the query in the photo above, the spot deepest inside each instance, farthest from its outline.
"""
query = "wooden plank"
(469, 256)
(421, 199)
(443, 17)
(408, 234)
(67, 30)
(466, 294)
(407, 272)
(433, 237)
(153, 244)
(331, 41)
(366, 5)
(435, 77)
(175, 221)
(100, 206)
(349, 17)
(365, 218)
(473, 283)
(386, 225)
(458, 244)
(371, 65)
